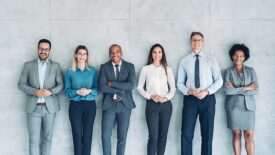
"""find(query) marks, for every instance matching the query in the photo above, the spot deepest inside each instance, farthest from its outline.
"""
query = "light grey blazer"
(29, 82)
(231, 93)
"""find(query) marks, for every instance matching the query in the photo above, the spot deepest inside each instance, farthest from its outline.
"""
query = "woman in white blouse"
(159, 90)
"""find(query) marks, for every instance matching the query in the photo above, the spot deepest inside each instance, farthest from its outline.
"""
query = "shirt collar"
(40, 62)
(200, 54)
(118, 64)
(85, 69)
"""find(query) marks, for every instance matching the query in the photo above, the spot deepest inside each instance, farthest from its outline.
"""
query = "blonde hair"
(74, 63)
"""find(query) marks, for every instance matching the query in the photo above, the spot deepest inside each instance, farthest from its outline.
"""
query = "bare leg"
(236, 141)
(249, 142)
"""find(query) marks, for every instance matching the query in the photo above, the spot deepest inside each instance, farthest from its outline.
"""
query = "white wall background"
(136, 25)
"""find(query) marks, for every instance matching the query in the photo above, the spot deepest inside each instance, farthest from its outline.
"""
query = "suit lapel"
(111, 70)
(122, 69)
(35, 65)
(234, 74)
(245, 74)
(48, 70)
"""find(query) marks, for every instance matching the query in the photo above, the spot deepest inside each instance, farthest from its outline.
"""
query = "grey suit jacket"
(231, 93)
(29, 82)
(123, 86)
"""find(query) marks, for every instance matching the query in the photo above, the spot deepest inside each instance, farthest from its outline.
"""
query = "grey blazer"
(122, 86)
(29, 82)
(231, 93)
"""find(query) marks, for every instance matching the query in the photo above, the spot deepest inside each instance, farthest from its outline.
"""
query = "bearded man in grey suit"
(41, 79)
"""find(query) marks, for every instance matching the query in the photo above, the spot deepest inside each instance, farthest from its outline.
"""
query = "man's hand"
(202, 94)
(109, 83)
(192, 91)
(39, 93)
(47, 92)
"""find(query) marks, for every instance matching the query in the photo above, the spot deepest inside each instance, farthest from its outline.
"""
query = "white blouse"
(156, 82)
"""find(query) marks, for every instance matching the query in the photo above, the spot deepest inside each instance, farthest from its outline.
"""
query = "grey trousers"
(121, 115)
(40, 128)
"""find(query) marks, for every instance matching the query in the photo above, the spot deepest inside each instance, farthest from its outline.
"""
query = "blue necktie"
(197, 72)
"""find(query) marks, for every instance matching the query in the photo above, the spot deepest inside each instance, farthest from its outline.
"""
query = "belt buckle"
(41, 104)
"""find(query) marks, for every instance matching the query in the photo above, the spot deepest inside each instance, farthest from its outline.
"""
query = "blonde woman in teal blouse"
(81, 88)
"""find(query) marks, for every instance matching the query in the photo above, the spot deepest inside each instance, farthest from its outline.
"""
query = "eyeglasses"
(43, 49)
(197, 40)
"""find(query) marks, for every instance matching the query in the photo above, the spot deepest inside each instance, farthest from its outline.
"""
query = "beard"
(43, 56)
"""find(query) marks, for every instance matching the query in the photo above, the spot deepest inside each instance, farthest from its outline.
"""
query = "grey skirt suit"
(240, 105)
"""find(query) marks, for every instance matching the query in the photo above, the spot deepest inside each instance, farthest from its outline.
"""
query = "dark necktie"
(118, 97)
(197, 72)
(117, 71)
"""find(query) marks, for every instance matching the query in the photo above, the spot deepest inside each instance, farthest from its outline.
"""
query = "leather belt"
(41, 103)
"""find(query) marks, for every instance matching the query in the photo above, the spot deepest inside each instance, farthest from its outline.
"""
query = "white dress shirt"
(210, 74)
(42, 67)
(156, 82)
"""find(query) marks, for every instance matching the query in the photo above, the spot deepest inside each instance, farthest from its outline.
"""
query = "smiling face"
(43, 51)
(197, 43)
(115, 54)
(81, 56)
(238, 57)
(157, 54)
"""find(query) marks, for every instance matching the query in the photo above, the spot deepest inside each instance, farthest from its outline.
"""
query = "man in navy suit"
(116, 81)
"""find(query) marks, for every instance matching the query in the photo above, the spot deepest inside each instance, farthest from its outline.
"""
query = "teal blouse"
(75, 80)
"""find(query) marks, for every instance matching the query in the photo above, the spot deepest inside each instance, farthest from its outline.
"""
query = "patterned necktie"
(117, 71)
(197, 72)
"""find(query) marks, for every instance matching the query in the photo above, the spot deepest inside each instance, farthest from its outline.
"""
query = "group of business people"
(199, 77)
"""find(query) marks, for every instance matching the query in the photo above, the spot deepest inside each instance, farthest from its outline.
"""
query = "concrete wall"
(136, 25)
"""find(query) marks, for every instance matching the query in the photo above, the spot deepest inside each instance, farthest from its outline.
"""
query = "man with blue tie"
(116, 81)
(199, 77)
(41, 79)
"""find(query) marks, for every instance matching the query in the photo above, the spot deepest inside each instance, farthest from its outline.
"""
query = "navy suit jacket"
(122, 86)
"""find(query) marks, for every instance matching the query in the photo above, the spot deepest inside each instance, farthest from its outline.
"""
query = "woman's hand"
(252, 86)
(155, 98)
(229, 85)
(163, 99)
(83, 91)
(158, 98)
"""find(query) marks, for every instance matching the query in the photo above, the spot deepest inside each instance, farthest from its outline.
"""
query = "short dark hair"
(239, 47)
(114, 45)
(44, 41)
(196, 33)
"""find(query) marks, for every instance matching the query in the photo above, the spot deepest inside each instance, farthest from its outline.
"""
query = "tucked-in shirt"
(42, 67)
(156, 82)
(210, 74)
(78, 79)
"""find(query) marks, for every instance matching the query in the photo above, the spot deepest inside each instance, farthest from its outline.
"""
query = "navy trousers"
(158, 117)
(82, 116)
(193, 107)
(120, 114)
